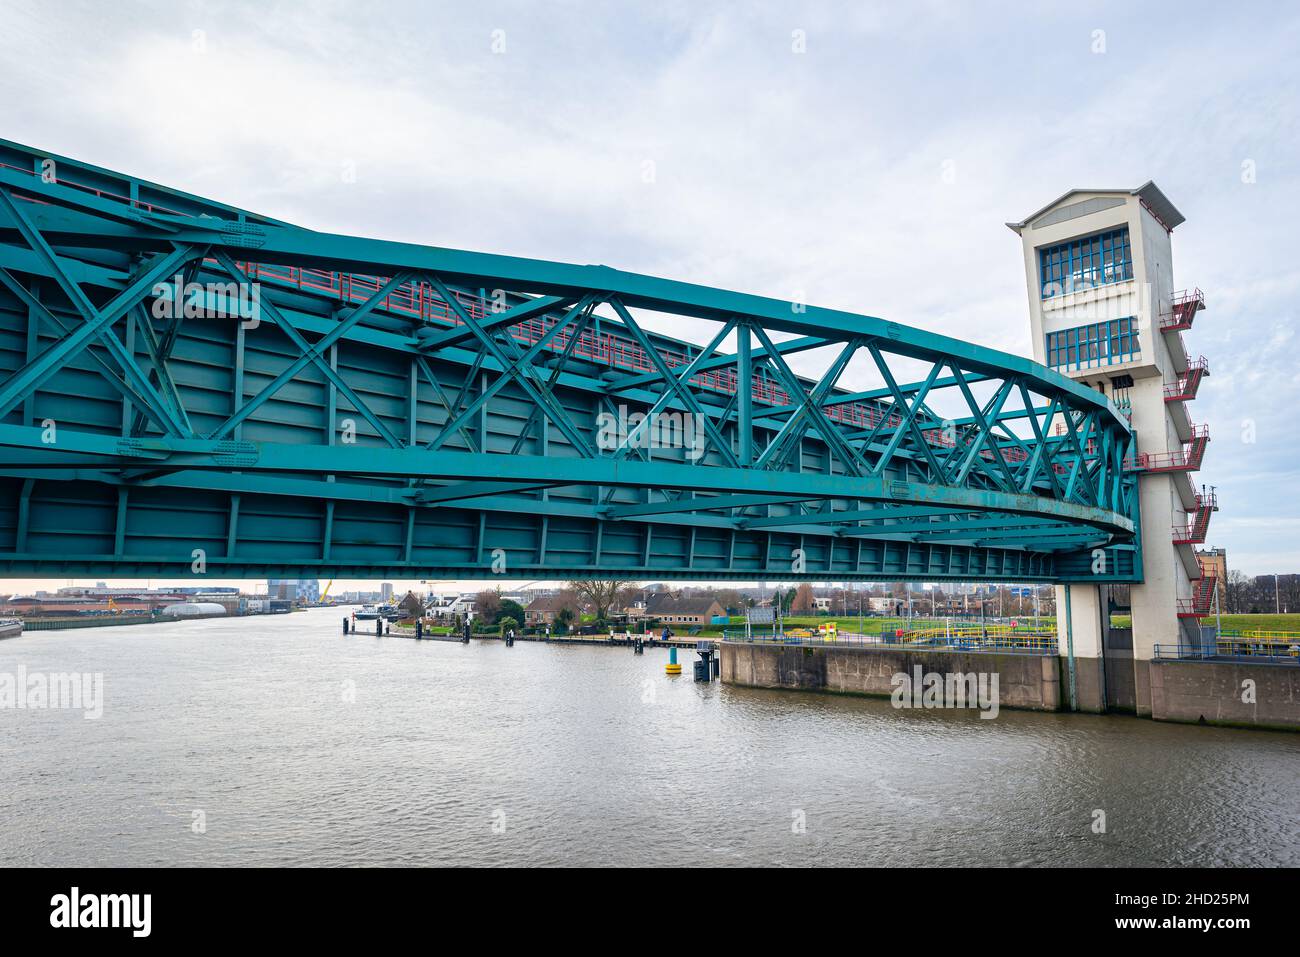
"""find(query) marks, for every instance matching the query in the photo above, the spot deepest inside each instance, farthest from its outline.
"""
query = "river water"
(278, 741)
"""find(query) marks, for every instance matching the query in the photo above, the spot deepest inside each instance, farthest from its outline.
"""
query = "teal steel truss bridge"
(187, 388)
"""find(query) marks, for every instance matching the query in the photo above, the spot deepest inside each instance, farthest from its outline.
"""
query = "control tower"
(1104, 311)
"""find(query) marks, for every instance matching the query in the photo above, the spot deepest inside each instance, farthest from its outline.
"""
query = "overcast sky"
(873, 171)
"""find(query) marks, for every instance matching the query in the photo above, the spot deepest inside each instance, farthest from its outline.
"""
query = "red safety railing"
(1183, 308)
(1195, 531)
(1202, 600)
(1187, 459)
(1184, 390)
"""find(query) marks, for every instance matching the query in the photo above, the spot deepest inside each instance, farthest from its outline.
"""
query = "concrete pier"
(1231, 693)
(1228, 693)
(1024, 681)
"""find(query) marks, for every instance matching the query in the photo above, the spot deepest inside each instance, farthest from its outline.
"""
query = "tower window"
(1098, 344)
(1085, 263)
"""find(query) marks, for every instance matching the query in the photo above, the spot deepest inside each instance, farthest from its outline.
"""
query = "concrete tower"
(1104, 311)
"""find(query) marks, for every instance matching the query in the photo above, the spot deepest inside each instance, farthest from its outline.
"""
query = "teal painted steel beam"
(745, 394)
(37, 308)
(711, 503)
(24, 448)
(786, 348)
(30, 377)
(674, 381)
(310, 357)
(509, 374)
(436, 341)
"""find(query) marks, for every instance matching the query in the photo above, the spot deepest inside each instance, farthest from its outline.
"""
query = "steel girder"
(414, 411)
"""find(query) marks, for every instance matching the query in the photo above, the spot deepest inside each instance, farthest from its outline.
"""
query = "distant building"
(543, 610)
(296, 590)
(103, 591)
(412, 606)
(537, 590)
(684, 611)
(445, 606)
(67, 606)
(193, 609)
(386, 592)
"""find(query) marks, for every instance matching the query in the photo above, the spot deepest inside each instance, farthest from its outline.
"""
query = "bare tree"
(729, 598)
(627, 596)
(568, 599)
(1235, 591)
(599, 595)
(487, 605)
(803, 598)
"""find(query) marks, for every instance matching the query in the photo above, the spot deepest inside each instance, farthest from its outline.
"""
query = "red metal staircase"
(1183, 309)
(1194, 533)
(1184, 390)
(1202, 600)
(1186, 459)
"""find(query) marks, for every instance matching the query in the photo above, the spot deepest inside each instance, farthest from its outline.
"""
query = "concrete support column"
(1082, 615)
(1164, 580)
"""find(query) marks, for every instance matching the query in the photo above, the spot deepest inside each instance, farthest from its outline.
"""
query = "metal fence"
(1284, 650)
(1011, 643)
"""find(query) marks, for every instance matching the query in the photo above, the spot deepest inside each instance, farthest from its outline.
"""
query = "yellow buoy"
(672, 668)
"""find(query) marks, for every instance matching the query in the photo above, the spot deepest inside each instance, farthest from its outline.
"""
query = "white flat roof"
(1148, 192)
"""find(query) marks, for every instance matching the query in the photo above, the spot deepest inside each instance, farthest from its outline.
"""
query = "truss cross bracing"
(189, 388)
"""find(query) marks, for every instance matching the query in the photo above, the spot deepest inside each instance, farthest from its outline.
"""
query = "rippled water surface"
(301, 746)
